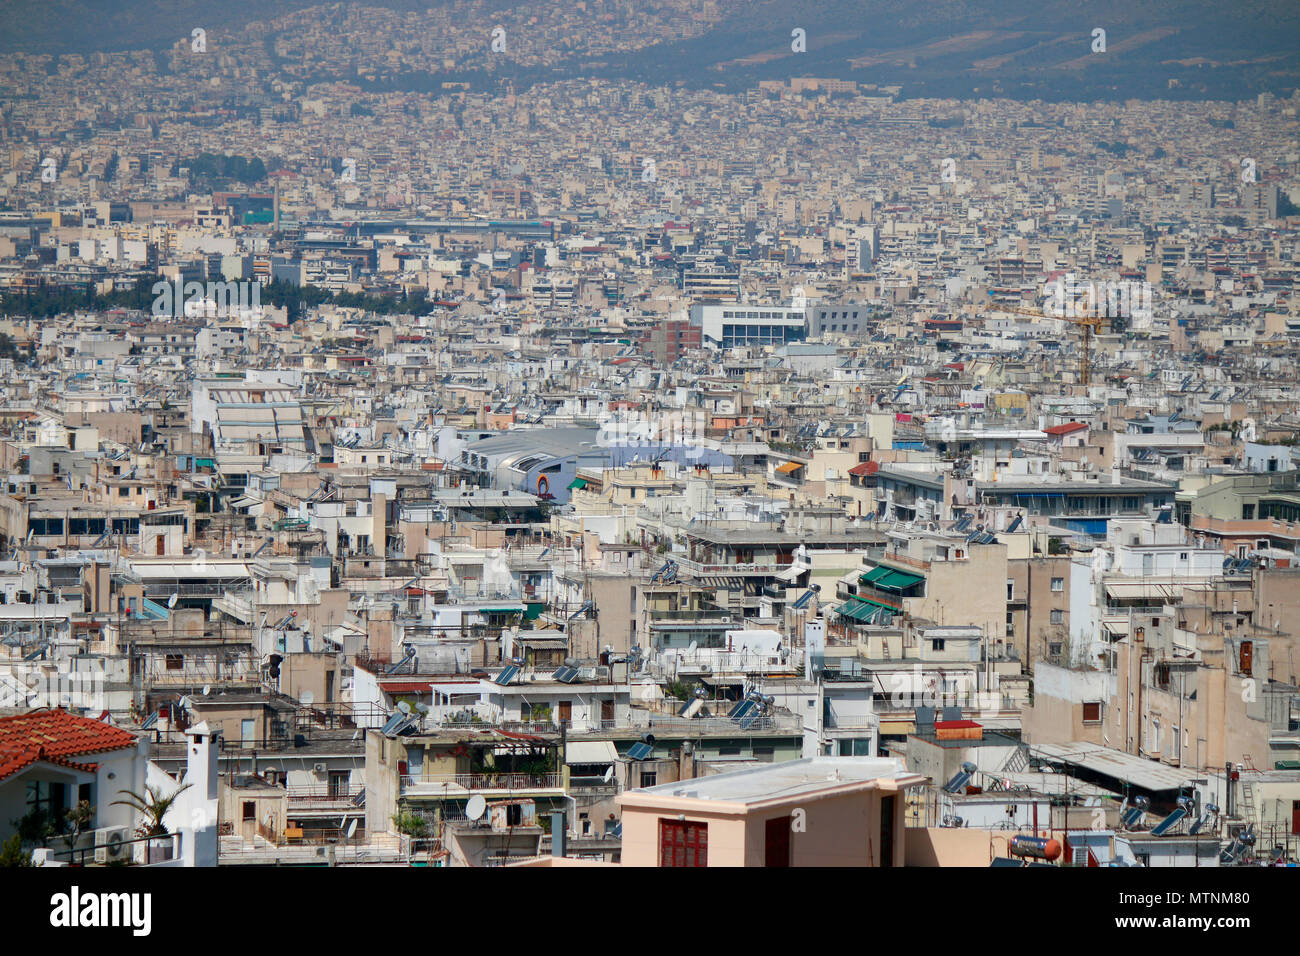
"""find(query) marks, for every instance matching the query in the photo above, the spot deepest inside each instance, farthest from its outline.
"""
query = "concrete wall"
(948, 846)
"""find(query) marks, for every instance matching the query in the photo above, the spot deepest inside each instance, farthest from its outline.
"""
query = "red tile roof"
(55, 736)
(866, 468)
(1066, 429)
(11, 761)
(405, 686)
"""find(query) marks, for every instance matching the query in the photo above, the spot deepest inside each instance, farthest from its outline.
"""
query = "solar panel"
(507, 675)
(742, 709)
(956, 783)
(1168, 823)
(390, 726)
(567, 675)
(639, 751)
(804, 598)
(1015, 524)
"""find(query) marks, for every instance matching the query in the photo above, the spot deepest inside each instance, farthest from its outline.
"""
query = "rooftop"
(785, 781)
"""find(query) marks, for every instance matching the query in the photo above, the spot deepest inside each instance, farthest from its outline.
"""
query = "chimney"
(559, 836)
(686, 761)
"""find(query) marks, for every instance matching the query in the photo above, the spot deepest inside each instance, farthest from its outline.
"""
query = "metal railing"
(305, 798)
(451, 783)
(171, 850)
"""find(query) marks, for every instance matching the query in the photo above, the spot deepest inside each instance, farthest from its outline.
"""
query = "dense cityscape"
(420, 452)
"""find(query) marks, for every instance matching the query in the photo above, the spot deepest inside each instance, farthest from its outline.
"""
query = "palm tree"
(153, 806)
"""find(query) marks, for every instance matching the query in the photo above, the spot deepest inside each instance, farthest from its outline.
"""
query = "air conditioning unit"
(110, 844)
(318, 768)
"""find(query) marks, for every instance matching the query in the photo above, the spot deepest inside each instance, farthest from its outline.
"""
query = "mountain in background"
(1023, 49)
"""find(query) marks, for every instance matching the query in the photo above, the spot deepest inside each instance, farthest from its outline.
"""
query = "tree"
(12, 853)
(36, 827)
(153, 805)
(78, 818)
(410, 824)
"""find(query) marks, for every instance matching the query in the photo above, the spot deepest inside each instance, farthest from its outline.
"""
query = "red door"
(776, 842)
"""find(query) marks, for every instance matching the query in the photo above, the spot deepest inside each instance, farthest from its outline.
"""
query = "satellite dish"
(476, 806)
(422, 708)
(693, 647)
(352, 828)
(307, 698)
(207, 689)
(609, 774)
(403, 706)
(171, 601)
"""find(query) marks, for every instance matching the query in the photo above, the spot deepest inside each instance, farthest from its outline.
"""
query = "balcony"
(451, 786)
(698, 569)
(309, 799)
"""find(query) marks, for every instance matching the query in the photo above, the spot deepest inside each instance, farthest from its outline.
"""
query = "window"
(1058, 584)
(937, 644)
(175, 662)
(1092, 712)
(249, 810)
(1058, 616)
(1011, 590)
(339, 781)
(682, 843)
(1054, 649)
(649, 778)
(47, 798)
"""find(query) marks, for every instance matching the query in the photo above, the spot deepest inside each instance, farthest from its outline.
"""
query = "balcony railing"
(460, 783)
(323, 798)
(699, 569)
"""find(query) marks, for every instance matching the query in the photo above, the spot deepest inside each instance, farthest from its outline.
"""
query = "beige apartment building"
(820, 811)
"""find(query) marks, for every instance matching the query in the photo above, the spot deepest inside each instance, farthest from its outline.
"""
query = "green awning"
(898, 580)
(577, 484)
(859, 609)
(534, 611)
(875, 574)
(872, 604)
(849, 608)
(518, 609)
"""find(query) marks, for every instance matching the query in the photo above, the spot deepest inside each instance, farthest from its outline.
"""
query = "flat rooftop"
(780, 781)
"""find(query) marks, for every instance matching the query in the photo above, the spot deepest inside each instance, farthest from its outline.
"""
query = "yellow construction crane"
(1090, 323)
